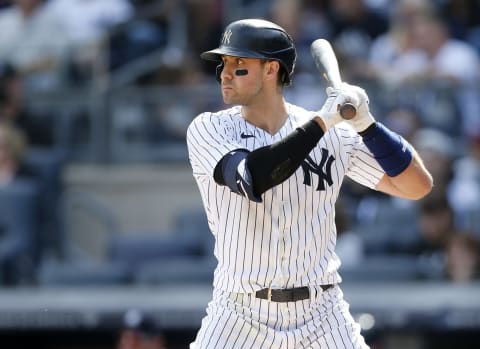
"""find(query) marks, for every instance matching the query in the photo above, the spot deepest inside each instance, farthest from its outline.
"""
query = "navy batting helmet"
(256, 38)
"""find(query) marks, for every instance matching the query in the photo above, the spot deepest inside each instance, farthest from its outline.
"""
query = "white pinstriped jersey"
(288, 240)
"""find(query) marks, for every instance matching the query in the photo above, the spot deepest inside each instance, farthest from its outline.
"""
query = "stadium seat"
(46, 165)
(383, 268)
(82, 274)
(192, 224)
(135, 249)
(177, 271)
(19, 208)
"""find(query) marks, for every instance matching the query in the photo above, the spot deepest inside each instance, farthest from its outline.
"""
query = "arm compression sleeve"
(253, 173)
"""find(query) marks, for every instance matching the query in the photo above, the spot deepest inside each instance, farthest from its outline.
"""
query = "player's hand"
(329, 113)
(363, 119)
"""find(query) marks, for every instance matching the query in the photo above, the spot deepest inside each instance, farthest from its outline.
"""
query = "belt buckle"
(269, 294)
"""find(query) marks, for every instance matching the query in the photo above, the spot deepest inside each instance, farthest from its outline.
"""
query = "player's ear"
(271, 69)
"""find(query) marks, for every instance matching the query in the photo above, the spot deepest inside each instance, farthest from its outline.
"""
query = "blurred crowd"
(417, 59)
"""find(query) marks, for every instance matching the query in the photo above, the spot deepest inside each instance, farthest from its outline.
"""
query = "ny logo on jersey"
(309, 165)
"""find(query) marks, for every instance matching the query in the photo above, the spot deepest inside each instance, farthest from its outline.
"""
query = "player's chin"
(228, 98)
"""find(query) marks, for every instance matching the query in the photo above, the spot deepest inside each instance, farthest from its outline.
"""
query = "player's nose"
(226, 74)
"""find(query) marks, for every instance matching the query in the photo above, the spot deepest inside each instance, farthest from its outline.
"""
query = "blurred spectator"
(204, 23)
(34, 42)
(38, 127)
(166, 37)
(39, 130)
(354, 27)
(463, 258)
(464, 190)
(306, 21)
(392, 54)
(88, 21)
(139, 331)
(461, 15)
(439, 241)
(354, 17)
(286, 14)
(13, 148)
(87, 25)
(449, 63)
(447, 59)
(10, 93)
(436, 225)
(421, 61)
(404, 119)
(19, 210)
(438, 151)
(189, 27)
(5, 3)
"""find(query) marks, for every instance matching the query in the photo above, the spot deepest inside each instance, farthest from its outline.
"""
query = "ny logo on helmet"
(226, 37)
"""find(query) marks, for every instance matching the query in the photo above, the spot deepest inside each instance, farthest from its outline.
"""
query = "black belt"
(287, 295)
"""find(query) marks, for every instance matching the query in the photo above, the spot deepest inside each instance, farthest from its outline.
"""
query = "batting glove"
(329, 112)
(363, 119)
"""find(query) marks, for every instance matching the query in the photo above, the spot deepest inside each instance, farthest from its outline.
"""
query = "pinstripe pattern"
(289, 239)
(237, 321)
(286, 241)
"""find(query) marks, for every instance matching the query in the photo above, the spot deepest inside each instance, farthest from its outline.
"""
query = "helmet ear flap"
(218, 72)
(284, 77)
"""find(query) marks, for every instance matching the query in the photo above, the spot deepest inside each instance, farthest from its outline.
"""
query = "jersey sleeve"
(363, 168)
(209, 139)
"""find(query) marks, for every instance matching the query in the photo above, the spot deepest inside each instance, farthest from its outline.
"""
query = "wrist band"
(391, 150)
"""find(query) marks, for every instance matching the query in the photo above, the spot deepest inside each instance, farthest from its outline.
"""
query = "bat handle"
(348, 111)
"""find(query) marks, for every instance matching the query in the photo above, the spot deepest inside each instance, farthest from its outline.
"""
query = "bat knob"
(348, 111)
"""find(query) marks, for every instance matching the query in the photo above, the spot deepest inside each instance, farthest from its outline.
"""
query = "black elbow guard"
(233, 172)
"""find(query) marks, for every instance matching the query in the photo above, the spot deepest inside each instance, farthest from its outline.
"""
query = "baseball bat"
(326, 61)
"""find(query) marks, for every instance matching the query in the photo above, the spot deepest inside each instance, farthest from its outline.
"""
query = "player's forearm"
(413, 183)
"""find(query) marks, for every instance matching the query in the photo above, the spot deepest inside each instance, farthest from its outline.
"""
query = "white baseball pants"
(236, 320)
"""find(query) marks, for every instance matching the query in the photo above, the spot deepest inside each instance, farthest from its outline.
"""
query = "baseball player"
(269, 174)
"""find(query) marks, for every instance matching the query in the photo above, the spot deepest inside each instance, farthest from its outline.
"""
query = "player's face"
(241, 80)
